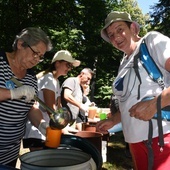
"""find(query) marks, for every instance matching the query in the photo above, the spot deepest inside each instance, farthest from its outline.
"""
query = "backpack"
(156, 75)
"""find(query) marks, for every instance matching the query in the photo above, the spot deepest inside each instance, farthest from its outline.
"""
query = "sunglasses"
(69, 65)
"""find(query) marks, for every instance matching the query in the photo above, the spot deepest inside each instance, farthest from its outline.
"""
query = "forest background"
(75, 25)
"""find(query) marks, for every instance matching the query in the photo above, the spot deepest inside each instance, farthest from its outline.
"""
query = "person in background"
(136, 114)
(16, 103)
(83, 116)
(86, 100)
(114, 108)
(49, 93)
(72, 94)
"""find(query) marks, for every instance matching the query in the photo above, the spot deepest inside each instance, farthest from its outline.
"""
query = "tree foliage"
(75, 26)
(160, 17)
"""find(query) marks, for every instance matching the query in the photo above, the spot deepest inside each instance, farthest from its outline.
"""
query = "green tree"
(160, 17)
(72, 25)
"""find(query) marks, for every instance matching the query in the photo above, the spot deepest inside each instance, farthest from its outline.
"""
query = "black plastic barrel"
(57, 159)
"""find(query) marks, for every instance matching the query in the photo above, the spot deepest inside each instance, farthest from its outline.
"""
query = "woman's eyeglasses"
(36, 54)
(68, 65)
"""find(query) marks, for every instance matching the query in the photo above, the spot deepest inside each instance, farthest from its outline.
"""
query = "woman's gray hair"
(32, 36)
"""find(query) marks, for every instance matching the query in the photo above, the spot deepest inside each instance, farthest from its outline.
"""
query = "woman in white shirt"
(49, 92)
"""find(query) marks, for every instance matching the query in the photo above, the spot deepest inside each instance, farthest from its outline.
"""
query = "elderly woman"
(16, 103)
(132, 85)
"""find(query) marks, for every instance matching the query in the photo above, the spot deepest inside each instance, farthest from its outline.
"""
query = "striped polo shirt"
(13, 113)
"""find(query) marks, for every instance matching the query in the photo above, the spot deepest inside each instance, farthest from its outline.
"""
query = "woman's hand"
(144, 110)
(104, 125)
(24, 91)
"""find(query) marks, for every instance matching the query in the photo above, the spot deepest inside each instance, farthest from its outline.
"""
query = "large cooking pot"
(57, 159)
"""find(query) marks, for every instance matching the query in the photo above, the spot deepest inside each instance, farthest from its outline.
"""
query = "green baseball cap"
(113, 17)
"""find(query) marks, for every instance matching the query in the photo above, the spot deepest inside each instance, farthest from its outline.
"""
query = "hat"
(66, 56)
(113, 17)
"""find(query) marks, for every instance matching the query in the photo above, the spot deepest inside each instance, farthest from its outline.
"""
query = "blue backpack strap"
(150, 65)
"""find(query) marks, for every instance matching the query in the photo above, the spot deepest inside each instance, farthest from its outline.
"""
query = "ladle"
(59, 119)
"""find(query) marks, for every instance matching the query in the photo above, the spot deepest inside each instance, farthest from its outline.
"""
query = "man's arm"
(104, 125)
(70, 99)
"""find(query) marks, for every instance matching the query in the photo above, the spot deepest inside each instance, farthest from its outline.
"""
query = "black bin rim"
(85, 146)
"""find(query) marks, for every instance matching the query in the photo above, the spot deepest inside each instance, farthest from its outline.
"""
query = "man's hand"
(103, 126)
(22, 91)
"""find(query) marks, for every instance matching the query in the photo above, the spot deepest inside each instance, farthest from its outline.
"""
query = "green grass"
(116, 157)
